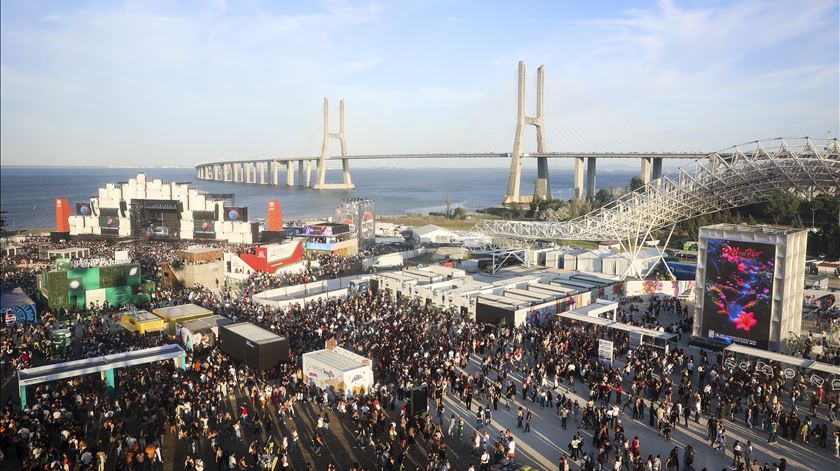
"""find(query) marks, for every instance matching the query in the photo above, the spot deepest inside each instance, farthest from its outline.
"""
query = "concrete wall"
(303, 293)
(210, 275)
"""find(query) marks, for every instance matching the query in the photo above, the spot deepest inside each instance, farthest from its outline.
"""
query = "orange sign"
(275, 216)
(62, 215)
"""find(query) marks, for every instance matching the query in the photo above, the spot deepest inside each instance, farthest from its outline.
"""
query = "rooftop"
(752, 229)
(184, 310)
(334, 359)
(252, 332)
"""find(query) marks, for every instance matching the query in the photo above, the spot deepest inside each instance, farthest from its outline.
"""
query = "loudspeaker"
(419, 400)
(272, 236)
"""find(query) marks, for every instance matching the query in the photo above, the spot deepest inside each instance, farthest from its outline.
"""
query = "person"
(673, 461)
(748, 449)
(736, 453)
(528, 417)
(564, 416)
(688, 458)
(317, 443)
(485, 461)
(476, 443)
(564, 463)
(774, 426)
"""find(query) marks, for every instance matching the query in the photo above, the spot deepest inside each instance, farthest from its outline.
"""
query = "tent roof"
(13, 298)
(430, 229)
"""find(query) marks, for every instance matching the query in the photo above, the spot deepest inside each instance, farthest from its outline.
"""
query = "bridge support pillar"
(242, 171)
(578, 192)
(307, 170)
(320, 179)
(657, 168)
(219, 173)
(262, 166)
(252, 172)
(275, 172)
(226, 171)
(645, 172)
(290, 173)
(302, 182)
(590, 177)
(541, 187)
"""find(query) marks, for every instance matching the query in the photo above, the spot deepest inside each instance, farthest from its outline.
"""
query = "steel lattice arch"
(744, 174)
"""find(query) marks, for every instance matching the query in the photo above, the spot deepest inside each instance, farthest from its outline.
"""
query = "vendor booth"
(201, 333)
(142, 321)
(174, 315)
(335, 367)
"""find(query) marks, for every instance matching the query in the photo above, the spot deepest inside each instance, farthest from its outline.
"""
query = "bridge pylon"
(321, 174)
(542, 189)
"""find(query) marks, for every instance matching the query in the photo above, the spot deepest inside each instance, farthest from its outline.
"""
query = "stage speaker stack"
(419, 400)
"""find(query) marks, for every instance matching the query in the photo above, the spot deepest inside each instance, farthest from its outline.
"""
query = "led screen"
(83, 209)
(236, 213)
(738, 292)
(109, 224)
(204, 223)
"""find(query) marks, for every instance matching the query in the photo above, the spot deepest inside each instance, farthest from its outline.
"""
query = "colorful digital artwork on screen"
(738, 291)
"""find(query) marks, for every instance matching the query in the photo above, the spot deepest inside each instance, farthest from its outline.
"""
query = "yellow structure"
(179, 314)
(142, 321)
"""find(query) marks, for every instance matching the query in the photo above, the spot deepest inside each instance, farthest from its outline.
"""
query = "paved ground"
(547, 441)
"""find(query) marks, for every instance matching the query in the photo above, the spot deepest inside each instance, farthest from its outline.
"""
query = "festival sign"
(605, 350)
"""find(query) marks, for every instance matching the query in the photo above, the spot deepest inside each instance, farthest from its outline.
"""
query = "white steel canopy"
(740, 175)
(70, 369)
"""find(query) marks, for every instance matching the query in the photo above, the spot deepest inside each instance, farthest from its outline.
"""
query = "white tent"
(434, 235)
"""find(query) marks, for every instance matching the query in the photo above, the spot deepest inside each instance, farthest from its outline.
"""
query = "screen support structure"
(634, 247)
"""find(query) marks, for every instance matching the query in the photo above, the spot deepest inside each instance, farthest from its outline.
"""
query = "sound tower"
(419, 400)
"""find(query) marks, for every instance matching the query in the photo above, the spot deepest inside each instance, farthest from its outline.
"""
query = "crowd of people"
(221, 414)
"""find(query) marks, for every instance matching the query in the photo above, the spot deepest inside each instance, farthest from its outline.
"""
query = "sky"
(181, 83)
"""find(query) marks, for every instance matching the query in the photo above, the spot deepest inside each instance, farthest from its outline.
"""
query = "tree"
(603, 197)
(460, 213)
(448, 207)
(783, 207)
(636, 183)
